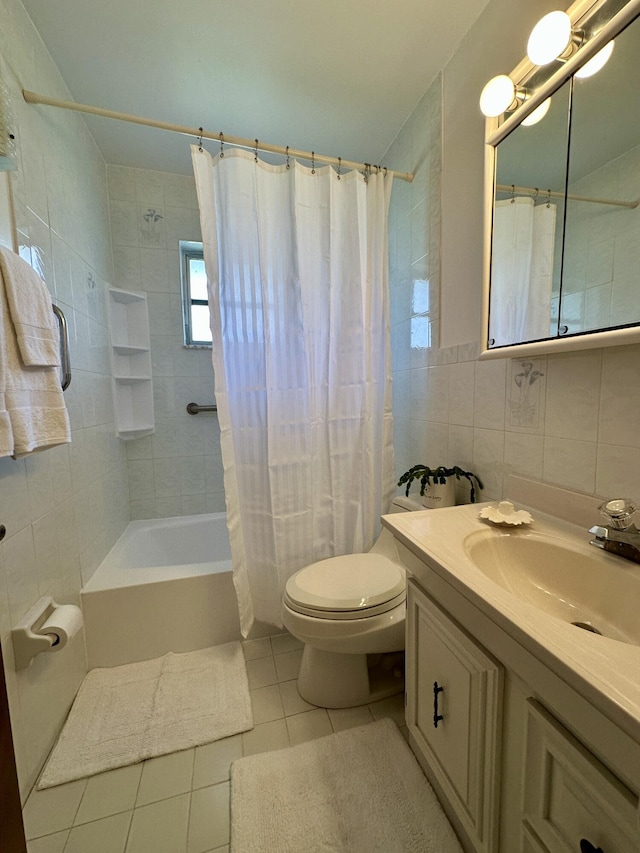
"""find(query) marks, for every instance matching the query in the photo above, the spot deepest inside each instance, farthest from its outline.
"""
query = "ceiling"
(339, 77)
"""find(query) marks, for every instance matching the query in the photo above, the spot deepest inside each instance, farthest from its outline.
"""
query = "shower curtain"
(521, 270)
(298, 293)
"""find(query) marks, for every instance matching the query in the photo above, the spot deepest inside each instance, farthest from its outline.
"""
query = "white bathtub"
(166, 585)
(165, 549)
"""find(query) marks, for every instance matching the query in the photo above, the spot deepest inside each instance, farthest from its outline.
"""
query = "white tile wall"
(177, 471)
(63, 508)
(571, 419)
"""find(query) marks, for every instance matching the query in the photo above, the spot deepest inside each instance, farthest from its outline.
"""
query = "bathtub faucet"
(620, 536)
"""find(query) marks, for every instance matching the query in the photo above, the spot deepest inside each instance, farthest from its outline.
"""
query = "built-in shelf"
(127, 296)
(142, 429)
(130, 380)
(126, 349)
(131, 363)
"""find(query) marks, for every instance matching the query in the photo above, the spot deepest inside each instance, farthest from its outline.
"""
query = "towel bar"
(64, 347)
(194, 408)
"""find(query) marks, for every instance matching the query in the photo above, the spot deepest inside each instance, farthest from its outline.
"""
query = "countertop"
(603, 670)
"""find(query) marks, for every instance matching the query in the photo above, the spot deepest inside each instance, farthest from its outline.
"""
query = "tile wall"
(177, 470)
(414, 268)
(571, 419)
(63, 508)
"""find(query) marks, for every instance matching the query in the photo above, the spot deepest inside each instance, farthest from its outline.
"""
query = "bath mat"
(360, 790)
(126, 714)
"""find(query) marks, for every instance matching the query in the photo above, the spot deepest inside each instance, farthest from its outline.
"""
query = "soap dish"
(505, 513)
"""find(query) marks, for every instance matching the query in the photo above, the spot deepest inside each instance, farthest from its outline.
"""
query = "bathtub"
(166, 585)
(165, 549)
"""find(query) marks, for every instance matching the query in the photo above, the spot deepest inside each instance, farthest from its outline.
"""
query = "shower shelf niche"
(131, 363)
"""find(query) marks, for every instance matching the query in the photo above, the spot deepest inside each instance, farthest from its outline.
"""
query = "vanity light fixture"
(538, 114)
(499, 95)
(596, 62)
(552, 38)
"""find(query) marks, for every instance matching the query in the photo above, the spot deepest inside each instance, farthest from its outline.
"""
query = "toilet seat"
(353, 586)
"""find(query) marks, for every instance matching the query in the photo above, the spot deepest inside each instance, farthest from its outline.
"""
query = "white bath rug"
(126, 714)
(360, 790)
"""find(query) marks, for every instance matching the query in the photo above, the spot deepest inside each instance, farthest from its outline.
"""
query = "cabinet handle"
(587, 847)
(436, 716)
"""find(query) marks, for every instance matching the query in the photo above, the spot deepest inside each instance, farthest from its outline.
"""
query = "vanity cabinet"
(521, 761)
(453, 711)
(569, 795)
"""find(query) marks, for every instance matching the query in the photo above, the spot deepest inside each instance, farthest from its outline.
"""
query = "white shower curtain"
(521, 270)
(298, 294)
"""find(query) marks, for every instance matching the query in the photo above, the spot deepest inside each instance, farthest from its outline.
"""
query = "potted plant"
(437, 485)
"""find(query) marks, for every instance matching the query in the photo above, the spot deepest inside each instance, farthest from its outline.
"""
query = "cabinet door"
(570, 796)
(454, 692)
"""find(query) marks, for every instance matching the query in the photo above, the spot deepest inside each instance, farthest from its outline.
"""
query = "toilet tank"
(402, 504)
(386, 543)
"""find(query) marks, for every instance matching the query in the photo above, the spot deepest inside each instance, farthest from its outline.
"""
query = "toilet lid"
(354, 582)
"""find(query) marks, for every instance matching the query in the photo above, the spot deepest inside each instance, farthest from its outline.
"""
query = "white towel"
(30, 308)
(34, 415)
(6, 433)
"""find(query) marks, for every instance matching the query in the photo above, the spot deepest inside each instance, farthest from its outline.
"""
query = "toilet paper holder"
(35, 633)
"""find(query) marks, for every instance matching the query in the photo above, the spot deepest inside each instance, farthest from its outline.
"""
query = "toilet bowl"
(350, 614)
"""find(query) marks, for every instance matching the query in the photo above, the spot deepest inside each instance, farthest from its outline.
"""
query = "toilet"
(350, 614)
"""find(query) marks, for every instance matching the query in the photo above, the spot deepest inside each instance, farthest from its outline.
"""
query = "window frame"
(190, 250)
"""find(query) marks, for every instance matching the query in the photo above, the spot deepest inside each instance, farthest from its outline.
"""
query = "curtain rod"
(543, 194)
(199, 133)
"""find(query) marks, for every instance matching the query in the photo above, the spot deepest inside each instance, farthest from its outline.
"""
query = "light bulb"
(596, 62)
(549, 38)
(497, 96)
(538, 114)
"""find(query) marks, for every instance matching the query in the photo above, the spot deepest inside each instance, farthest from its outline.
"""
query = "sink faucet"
(620, 536)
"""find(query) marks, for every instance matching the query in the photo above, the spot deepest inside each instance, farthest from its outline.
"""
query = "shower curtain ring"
(548, 198)
(256, 152)
(339, 166)
(535, 195)
(313, 162)
(386, 171)
(200, 138)
(288, 163)
(221, 144)
(513, 193)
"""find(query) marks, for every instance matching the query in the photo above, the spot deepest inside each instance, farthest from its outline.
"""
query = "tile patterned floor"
(179, 803)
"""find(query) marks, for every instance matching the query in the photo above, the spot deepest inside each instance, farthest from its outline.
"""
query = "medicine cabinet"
(562, 212)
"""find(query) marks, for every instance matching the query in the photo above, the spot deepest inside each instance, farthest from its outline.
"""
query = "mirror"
(528, 218)
(600, 287)
(562, 219)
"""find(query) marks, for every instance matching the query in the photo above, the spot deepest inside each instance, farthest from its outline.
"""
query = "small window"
(195, 302)
(420, 315)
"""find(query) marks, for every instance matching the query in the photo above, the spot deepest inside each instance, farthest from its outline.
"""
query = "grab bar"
(194, 408)
(64, 348)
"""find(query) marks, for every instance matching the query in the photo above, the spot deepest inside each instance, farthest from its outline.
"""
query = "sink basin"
(596, 592)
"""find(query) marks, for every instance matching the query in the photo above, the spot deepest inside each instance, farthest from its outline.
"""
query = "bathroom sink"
(595, 592)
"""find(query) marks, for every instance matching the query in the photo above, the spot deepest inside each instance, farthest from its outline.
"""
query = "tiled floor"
(179, 803)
